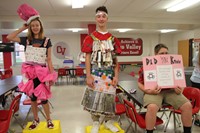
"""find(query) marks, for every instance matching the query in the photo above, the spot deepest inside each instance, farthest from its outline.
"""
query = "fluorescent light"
(75, 29)
(123, 30)
(167, 30)
(182, 5)
(77, 4)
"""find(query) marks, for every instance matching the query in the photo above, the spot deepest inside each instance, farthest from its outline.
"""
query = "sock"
(149, 131)
(187, 129)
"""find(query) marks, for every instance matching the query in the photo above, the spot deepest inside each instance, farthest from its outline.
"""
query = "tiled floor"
(67, 108)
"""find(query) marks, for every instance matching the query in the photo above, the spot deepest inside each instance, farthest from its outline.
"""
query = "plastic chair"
(62, 73)
(192, 94)
(79, 72)
(7, 74)
(6, 115)
(120, 109)
(137, 118)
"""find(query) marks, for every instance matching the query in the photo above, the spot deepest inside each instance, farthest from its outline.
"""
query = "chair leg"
(21, 125)
(26, 119)
(174, 122)
(165, 128)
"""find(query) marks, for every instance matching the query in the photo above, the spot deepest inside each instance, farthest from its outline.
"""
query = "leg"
(150, 117)
(34, 109)
(45, 105)
(186, 116)
(109, 123)
(96, 123)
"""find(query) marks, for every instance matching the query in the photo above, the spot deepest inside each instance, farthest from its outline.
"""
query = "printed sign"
(130, 46)
(61, 50)
(166, 71)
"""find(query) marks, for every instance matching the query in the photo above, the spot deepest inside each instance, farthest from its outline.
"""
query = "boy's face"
(101, 18)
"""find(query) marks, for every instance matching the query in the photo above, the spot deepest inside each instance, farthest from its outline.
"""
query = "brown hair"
(30, 33)
(102, 8)
(158, 47)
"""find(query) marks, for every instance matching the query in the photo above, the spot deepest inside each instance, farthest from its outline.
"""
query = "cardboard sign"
(166, 71)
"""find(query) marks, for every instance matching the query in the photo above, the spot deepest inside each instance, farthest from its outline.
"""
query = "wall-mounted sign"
(60, 50)
(131, 47)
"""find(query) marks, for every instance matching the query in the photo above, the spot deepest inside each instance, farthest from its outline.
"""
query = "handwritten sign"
(130, 46)
(165, 71)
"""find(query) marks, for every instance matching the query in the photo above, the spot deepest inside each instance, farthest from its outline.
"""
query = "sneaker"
(34, 124)
(197, 122)
(50, 124)
(109, 125)
(95, 127)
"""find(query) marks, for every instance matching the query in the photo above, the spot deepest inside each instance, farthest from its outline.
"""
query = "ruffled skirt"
(29, 73)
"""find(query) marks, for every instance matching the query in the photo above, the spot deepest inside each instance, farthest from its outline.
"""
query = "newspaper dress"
(100, 100)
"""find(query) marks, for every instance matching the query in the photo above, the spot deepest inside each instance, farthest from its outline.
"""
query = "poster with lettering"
(166, 71)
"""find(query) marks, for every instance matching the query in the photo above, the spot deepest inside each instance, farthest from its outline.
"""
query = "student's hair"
(30, 33)
(102, 8)
(158, 47)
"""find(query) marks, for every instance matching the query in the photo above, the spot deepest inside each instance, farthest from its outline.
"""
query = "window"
(19, 54)
(1, 57)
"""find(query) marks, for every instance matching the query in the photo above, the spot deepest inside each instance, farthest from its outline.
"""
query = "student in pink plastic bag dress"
(101, 49)
(38, 73)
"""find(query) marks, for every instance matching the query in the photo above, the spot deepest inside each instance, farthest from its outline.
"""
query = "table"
(126, 83)
(137, 97)
(8, 85)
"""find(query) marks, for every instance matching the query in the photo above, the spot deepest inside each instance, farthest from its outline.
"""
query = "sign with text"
(166, 71)
(61, 50)
(131, 46)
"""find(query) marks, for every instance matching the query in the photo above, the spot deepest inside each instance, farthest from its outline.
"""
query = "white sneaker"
(95, 127)
(110, 126)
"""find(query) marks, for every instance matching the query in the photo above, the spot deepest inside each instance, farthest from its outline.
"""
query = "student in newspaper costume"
(37, 70)
(101, 49)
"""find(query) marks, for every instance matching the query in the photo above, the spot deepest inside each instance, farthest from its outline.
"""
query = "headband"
(101, 13)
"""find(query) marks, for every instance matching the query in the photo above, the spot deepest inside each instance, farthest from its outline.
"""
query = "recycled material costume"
(36, 76)
(103, 49)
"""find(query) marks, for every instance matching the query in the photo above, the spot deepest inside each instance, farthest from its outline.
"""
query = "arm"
(13, 36)
(49, 60)
(89, 78)
(116, 71)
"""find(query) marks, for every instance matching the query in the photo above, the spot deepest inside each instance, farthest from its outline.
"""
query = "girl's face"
(162, 51)
(101, 19)
(35, 27)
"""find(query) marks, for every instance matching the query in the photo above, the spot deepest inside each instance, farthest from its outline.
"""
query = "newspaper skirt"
(100, 100)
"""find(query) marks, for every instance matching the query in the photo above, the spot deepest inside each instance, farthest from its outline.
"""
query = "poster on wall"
(61, 50)
(165, 71)
(131, 47)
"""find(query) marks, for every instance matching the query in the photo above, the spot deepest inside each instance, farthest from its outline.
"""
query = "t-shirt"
(40, 42)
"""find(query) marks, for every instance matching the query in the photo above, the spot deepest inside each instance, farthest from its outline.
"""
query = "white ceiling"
(145, 16)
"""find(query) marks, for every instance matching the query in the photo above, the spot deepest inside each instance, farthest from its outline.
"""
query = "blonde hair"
(30, 34)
